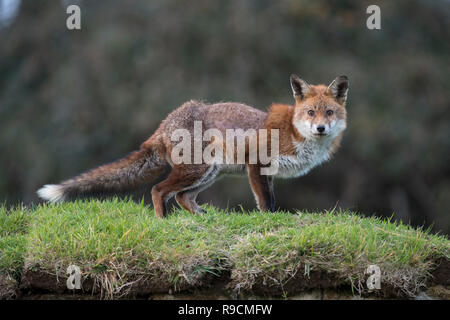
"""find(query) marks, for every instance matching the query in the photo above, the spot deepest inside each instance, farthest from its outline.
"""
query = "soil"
(441, 275)
(8, 288)
(38, 284)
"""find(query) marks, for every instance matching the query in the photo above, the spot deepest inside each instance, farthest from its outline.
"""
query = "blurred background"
(73, 100)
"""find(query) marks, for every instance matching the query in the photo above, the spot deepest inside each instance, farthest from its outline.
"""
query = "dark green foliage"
(72, 100)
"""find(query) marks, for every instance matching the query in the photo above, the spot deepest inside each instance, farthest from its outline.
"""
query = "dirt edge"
(37, 283)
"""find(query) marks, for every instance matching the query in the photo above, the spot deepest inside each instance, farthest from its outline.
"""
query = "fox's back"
(221, 116)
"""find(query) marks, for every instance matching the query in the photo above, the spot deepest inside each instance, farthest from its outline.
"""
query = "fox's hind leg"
(185, 180)
(186, 199)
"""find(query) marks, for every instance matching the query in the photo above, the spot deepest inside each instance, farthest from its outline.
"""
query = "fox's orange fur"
(309, 133)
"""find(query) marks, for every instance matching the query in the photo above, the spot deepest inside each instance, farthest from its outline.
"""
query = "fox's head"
(319, 110)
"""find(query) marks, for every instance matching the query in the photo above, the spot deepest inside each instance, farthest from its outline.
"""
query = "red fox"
(309, 132)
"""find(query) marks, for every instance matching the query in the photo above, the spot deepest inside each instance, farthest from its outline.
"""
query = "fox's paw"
(199, 210)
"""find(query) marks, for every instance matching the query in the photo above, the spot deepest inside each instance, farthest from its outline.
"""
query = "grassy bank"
(13, 229)
(122, 249)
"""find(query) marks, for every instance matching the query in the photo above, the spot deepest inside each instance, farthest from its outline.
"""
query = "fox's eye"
(330, 112)
(310, 113)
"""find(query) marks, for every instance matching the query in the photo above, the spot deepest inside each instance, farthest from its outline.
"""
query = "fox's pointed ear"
(299, 87)
(339, 88)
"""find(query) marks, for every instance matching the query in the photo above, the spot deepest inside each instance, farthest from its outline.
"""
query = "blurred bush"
(72, 100)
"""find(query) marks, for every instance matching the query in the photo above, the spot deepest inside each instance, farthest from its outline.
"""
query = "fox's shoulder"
(280, 118)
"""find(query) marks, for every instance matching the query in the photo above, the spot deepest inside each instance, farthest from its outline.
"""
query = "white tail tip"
(51, 192)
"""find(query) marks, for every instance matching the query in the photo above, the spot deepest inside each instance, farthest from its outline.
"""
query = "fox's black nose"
(321, 128)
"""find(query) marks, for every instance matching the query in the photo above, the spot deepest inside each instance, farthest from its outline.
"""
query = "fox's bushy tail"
(126, 174)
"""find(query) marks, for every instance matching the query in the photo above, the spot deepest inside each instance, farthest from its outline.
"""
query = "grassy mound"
(13, 228)
(123, 250)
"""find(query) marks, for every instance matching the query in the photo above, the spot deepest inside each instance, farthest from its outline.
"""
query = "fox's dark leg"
(262, 187)
(183, 179)
(272, 193)
(186, 199)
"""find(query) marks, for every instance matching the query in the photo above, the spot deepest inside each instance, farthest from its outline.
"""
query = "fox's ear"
(339, 88)
(299, 87)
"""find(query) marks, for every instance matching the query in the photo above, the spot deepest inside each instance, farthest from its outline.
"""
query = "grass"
(13, 229)
(120, 244)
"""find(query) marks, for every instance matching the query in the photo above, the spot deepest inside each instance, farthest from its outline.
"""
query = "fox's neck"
(280, 117)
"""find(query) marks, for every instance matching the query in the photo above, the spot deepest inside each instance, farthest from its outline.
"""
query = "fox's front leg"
(262, 187)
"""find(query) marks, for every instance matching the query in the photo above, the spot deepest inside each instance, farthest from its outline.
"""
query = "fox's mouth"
(320, 134)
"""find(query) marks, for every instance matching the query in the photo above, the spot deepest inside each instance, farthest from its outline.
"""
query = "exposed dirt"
(38, 284)
(36, 281)
(441, 275)
(324, 281)
(317, 279)
(8, 288)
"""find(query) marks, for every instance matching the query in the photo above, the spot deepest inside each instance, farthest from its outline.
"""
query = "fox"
(310, 132)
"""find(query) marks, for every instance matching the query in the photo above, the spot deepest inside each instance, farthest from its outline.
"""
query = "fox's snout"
(314, 130)
(320, 128)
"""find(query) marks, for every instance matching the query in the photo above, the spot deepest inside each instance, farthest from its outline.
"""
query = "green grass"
(13, 229)
(121, 242)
